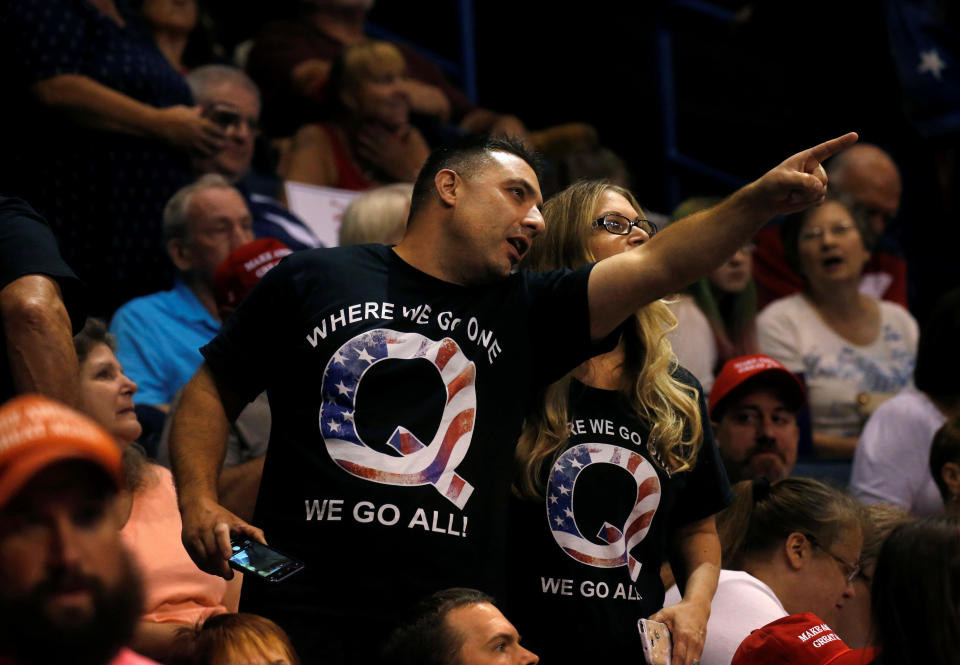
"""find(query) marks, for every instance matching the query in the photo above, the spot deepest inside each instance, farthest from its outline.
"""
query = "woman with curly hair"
(618, 455)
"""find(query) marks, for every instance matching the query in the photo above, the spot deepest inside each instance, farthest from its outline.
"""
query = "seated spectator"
(159, 336)
(456, 627)
(292, 61)
(41, 304)
(890, 463)
(176, 591)
(788, 547)
(753, 408)
(232, 101)
(369, 140)
(855, 625)
(945, 465)
(379, 215)
(798, 639)
(102, 140)
(727, 299)
(852, 350)
(69, 590)
(249, 435)
(171, 22)
(869, 176)
(236, 639)
(916, 594)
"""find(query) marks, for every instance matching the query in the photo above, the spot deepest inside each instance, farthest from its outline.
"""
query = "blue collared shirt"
(158, 341)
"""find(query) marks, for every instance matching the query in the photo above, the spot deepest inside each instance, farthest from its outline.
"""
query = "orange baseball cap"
(36, 432)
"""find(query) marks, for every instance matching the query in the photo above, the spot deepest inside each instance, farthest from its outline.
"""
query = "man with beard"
(753, 408)
(68, 589)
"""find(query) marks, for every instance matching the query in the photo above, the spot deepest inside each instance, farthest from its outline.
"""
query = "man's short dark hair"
(464, 156)
(944, 448)
(426, 639)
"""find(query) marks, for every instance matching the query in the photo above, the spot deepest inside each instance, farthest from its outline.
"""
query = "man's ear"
(797, 550)
(447, 183)
(179, 252)
(950, 472)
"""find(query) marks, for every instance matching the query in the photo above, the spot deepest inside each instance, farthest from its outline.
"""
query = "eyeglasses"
(850, 570)
(227, 116)
(619, 225)
(816, 233)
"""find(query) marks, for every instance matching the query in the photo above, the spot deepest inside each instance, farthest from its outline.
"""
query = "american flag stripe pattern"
(417, 462)
(617, 541)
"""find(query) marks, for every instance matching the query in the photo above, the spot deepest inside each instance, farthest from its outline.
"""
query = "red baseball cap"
(242, 269)
(737, 371)
(36, 432)
(799, 639)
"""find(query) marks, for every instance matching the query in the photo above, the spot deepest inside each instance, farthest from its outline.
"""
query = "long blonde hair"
(647, 384)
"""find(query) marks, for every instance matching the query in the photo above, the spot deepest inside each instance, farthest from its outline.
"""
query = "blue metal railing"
(674, 161)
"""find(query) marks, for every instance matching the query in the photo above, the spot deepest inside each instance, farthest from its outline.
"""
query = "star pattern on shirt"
(363, 355)
(930, 61)
(341, 379)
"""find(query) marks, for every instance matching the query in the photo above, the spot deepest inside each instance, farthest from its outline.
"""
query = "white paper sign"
(319, 207)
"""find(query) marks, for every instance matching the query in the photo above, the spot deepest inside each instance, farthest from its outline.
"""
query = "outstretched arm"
(689, 249)
(198, 442)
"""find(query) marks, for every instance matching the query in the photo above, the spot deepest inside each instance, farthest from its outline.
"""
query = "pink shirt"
(127, 657)
(175, 589)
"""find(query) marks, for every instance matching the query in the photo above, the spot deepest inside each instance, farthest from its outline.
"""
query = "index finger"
(829, 148)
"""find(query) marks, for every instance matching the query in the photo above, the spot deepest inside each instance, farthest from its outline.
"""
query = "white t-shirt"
(836, 370)
(742, 604)
(692, 340)
(892, 460)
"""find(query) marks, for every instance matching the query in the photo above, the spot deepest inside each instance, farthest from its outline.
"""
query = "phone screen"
(259, 559)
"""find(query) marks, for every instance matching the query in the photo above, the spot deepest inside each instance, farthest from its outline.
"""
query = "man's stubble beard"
(30, 636)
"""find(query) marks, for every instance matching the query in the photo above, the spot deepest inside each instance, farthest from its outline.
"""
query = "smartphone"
(657, 645)
(255, 559)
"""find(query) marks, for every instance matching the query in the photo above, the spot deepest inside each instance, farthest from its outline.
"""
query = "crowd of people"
(503, 394)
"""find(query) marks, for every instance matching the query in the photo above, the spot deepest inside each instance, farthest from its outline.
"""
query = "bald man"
(870, 176)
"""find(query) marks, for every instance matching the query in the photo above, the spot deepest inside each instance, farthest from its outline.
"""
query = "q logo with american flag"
(417, 463)
(618, 541)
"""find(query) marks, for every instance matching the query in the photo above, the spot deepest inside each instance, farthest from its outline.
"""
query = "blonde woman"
(619, 459)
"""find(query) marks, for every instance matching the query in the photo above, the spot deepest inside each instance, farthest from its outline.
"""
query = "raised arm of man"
(622, 284)
(198, 441)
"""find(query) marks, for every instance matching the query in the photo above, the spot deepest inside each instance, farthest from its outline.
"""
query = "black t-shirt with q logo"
(396, 402)
(584, 563)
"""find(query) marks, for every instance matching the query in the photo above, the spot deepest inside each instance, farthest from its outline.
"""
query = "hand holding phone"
(260, 561)
(657, 644)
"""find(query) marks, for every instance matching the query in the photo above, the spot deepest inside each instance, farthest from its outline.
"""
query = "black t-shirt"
(584, 563)
(27, 247)
(396, 400)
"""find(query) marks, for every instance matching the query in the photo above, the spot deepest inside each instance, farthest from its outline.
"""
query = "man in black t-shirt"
(398, 377)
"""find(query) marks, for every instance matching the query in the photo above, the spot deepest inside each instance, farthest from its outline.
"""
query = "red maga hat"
(798, 639)
(737, 371)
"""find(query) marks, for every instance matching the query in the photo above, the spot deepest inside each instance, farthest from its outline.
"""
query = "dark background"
(781, 77)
